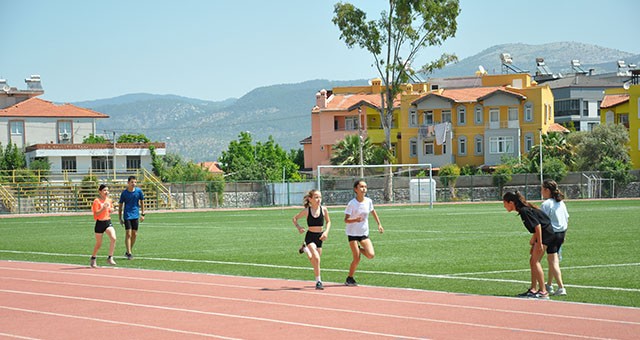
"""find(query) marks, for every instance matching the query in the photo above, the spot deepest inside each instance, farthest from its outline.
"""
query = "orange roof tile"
(612, 100)
(348, 101)
(36, 107)
(467, 95)
(555, 127)
(212, 167)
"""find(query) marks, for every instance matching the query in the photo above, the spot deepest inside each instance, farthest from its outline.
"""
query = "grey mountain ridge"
(200, 130)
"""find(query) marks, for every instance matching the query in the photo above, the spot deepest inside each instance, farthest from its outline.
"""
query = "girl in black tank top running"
(315, 235)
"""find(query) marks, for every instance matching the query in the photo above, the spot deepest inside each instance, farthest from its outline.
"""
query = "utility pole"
(540, 131)
(360, 141)
(114, 156)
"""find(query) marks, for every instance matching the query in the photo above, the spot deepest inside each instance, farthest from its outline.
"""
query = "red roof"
(212, 167)
(555, 127)
(348, 101)
(468, 95)
(36, 107)
(612, 100)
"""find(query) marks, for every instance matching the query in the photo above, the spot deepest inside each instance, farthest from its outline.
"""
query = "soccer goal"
(408, 183)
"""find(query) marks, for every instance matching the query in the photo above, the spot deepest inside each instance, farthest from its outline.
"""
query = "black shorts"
(358, 238)
(312, 237)
(554, 247)
(101, 226)
(131, 224)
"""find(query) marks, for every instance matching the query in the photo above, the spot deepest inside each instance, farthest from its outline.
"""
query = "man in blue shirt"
(132, 200)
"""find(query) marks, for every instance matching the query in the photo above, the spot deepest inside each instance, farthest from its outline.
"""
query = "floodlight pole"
(360, 141)
(114, 156)
(540, 130)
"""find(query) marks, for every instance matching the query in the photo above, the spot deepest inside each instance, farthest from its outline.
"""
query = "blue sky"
(217, 49)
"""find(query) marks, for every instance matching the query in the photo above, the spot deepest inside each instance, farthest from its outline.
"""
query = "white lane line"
(446, 305)
(173, 330)
(184, 310)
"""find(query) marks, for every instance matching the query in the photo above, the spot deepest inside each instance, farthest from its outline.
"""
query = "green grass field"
(463, 248)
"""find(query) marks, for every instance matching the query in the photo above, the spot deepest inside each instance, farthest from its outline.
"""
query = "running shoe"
(301, 250)
(549, 288)
(319, 285)
(350, 281)
(129, 256)
(111, 261)
(560, 292)
(542, 295)
(93, 263)
(528, 294)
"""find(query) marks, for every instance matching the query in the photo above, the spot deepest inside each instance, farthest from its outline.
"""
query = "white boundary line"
(348, 296)
(305, 306)
(454, 276)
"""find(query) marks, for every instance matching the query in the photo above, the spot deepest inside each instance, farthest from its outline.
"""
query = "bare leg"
(355, 251)
(111, 232)
(554, 270)
(98, 245)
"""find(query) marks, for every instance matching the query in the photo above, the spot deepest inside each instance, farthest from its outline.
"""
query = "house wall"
(41, 130)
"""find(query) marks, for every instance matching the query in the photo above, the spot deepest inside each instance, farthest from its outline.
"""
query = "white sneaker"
(111, 261)
(549, 288)
(560, 292)
(93, 263)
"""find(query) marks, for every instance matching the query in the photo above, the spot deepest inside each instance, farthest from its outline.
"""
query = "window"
(351, 123)
(478, 115)
(413, 118)
(413, 148)
(494, 116)
(17, 127)
(513, 114)
(101, 163)
(428, 118)
(133, 162)
(64, 131)
(462, 145)
(528, 142)
(462, 115)
(567, 107)
(623, 119)
(478, 148)
(446, 116)
(585, 108)
(499, 145)
(428, 148)
(69, 164)
(528, 112)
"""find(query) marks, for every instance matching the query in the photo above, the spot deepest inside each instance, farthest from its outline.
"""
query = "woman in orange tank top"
(102, 208)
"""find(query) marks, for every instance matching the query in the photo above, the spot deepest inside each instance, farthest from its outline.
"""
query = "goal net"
(409, 183)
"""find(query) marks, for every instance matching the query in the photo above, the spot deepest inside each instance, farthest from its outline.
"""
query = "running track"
(56, 301)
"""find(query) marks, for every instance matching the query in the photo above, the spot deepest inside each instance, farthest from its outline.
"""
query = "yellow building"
(469, 121)
(622, 106)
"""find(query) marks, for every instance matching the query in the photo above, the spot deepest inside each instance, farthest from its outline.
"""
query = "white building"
(46, 130)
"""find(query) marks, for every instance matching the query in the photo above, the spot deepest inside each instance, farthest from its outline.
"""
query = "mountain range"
(200, 130)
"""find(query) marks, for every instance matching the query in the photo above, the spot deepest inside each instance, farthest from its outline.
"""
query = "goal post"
(412, 183)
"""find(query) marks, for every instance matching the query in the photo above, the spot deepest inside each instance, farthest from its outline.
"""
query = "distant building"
(622, 106)
(468, 120)
(45, 130)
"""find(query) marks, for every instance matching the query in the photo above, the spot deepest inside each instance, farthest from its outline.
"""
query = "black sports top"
(315, 221)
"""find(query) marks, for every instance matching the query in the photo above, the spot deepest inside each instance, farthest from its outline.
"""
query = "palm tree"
(347, 151)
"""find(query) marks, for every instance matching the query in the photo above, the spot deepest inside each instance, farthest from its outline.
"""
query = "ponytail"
(308, 196)
(556, 194)
(518, 200)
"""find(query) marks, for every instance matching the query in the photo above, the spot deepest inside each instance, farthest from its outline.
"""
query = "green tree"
(262, 161)
(131, 138)
(501, 176)
(605, 140)
(554, 145)
(394, 41)
(93, 139)
(448, 176)
(554, 168)
(347, 151)
(12, 158)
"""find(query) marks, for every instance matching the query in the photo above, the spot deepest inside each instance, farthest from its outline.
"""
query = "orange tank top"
(103, 215)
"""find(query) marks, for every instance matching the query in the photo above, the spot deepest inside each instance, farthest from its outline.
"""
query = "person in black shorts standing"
(132, 203)
(542, 236)
(317, 217)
